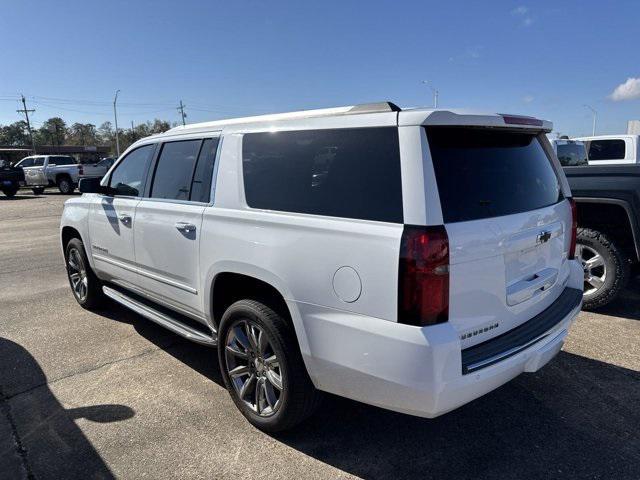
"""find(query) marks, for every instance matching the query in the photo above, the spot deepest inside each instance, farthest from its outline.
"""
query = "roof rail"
(375, 107)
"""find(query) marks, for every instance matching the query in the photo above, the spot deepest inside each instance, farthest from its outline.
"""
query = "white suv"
(414, 260)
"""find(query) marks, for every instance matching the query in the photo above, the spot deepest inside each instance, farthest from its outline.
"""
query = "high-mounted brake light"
(423, 281)
(518, 120)
(574, 228)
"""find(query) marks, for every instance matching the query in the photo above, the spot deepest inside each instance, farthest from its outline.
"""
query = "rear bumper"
(418, 371)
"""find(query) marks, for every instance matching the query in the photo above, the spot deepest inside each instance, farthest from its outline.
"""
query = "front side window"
(349, 173)
(606, 150)
(174, 171)
(484, 173)
(128, 177)
(27, 162)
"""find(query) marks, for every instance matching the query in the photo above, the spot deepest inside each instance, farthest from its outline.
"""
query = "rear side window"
(38, 162)
(350, 173)
(484, 173)
(201, 185)
(174, 170)
(572, 154)
(61, 161)
(606, 150)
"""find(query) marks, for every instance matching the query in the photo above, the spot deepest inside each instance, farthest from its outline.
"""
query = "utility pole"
(434, 91)
(115, 116)
(26, 112)
(595, 116)
(133, 132)
(182, 114)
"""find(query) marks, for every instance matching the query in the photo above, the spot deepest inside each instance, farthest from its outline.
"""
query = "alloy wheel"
(77, 275)
(595, 269)
(254, 368)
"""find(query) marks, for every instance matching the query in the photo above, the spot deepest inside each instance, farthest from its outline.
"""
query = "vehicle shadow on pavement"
(576, 418)
(32, 420)
(627, 305)
(200, 358)
(17, 197)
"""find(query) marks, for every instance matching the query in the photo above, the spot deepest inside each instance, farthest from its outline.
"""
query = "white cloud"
(528, 98)
(524, 14)
(628, 90)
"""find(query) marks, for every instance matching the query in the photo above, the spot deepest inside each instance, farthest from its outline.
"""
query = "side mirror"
(91, 185)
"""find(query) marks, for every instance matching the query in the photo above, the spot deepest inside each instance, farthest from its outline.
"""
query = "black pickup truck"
(608, 201)
(10, 178)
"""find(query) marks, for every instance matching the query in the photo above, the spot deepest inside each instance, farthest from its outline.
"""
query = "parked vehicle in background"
(10, 178)
(608, 203)
(43, 171)
(570, 153)
(414, 260)
(612, 149)
(97, 170)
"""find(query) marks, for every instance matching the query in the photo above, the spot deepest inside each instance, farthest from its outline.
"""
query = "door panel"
(167, 247)
(111, 226)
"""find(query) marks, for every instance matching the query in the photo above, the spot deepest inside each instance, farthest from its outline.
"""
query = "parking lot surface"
(111, 395)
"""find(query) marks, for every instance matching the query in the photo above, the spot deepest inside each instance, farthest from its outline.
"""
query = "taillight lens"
(574, 228)
(423, 281)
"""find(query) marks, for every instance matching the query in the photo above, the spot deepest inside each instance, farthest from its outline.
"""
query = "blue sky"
(246, 57)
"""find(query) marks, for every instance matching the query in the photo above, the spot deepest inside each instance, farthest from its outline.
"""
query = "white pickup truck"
(42, 171)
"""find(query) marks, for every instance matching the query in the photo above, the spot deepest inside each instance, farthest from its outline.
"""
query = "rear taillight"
(574, 228)
(423, 281)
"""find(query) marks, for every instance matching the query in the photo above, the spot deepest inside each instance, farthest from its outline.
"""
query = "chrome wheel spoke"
(239, 371)
(259, 406)
(274, 379)
(238, 353)
(262, 342)
(246, 386)
(270, 395)
(252, 334)
(595, 261)
(595, 282)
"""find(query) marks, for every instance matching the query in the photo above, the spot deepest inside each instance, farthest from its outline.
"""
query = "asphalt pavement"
(110, 395)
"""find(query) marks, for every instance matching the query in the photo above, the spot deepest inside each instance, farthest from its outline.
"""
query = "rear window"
(484, 173)
(350, 173)
(606, 150)
(572, 154)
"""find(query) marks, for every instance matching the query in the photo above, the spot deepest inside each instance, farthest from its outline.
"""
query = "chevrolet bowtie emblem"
(543, 237)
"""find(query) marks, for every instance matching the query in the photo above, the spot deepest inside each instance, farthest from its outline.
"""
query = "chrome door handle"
(124, 218)
(185, 227)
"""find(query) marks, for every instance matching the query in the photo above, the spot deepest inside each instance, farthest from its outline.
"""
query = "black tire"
(615, 264)
(298, 398)
(38, 190)
(10, 192)
(94, 297)
(65, 185)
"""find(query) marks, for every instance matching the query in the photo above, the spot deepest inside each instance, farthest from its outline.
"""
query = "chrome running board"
(162, 319)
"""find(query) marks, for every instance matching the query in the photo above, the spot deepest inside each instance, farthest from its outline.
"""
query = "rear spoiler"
(472, 119)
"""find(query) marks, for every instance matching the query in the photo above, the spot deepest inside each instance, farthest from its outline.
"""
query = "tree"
(15, 135)
(52, 132)
(82, 134)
